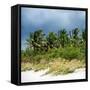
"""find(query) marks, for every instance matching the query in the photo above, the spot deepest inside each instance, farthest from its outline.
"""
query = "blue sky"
(49, 20)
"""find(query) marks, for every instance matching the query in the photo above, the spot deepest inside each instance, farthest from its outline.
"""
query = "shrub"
(71, 53)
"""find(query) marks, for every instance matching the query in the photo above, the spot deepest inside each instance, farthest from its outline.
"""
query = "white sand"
(31, 76)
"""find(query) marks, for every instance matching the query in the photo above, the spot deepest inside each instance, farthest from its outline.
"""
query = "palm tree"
(52, 39)
(84, 35)
(38, 39)
(30, 39)
(63, 37)
(83, 38)
(75, 37)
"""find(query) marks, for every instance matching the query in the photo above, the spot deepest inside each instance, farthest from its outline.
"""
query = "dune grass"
(64, 66)
(56, 67)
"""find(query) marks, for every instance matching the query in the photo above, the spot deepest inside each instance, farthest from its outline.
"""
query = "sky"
(50, 20)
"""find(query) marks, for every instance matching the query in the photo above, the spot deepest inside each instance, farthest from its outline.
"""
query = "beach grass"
(56, 67)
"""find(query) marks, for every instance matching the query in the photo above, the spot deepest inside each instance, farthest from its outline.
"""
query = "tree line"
(38, 41)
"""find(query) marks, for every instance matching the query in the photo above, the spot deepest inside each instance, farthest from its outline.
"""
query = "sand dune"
(31, 76)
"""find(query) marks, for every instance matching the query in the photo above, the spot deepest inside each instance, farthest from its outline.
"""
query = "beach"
(31, 76)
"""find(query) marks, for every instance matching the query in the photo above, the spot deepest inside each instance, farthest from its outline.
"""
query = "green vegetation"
(61, 52)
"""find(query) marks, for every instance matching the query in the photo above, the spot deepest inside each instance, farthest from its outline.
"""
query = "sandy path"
(31, 76)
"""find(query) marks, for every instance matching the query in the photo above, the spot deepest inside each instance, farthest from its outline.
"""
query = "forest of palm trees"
(62, 52)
